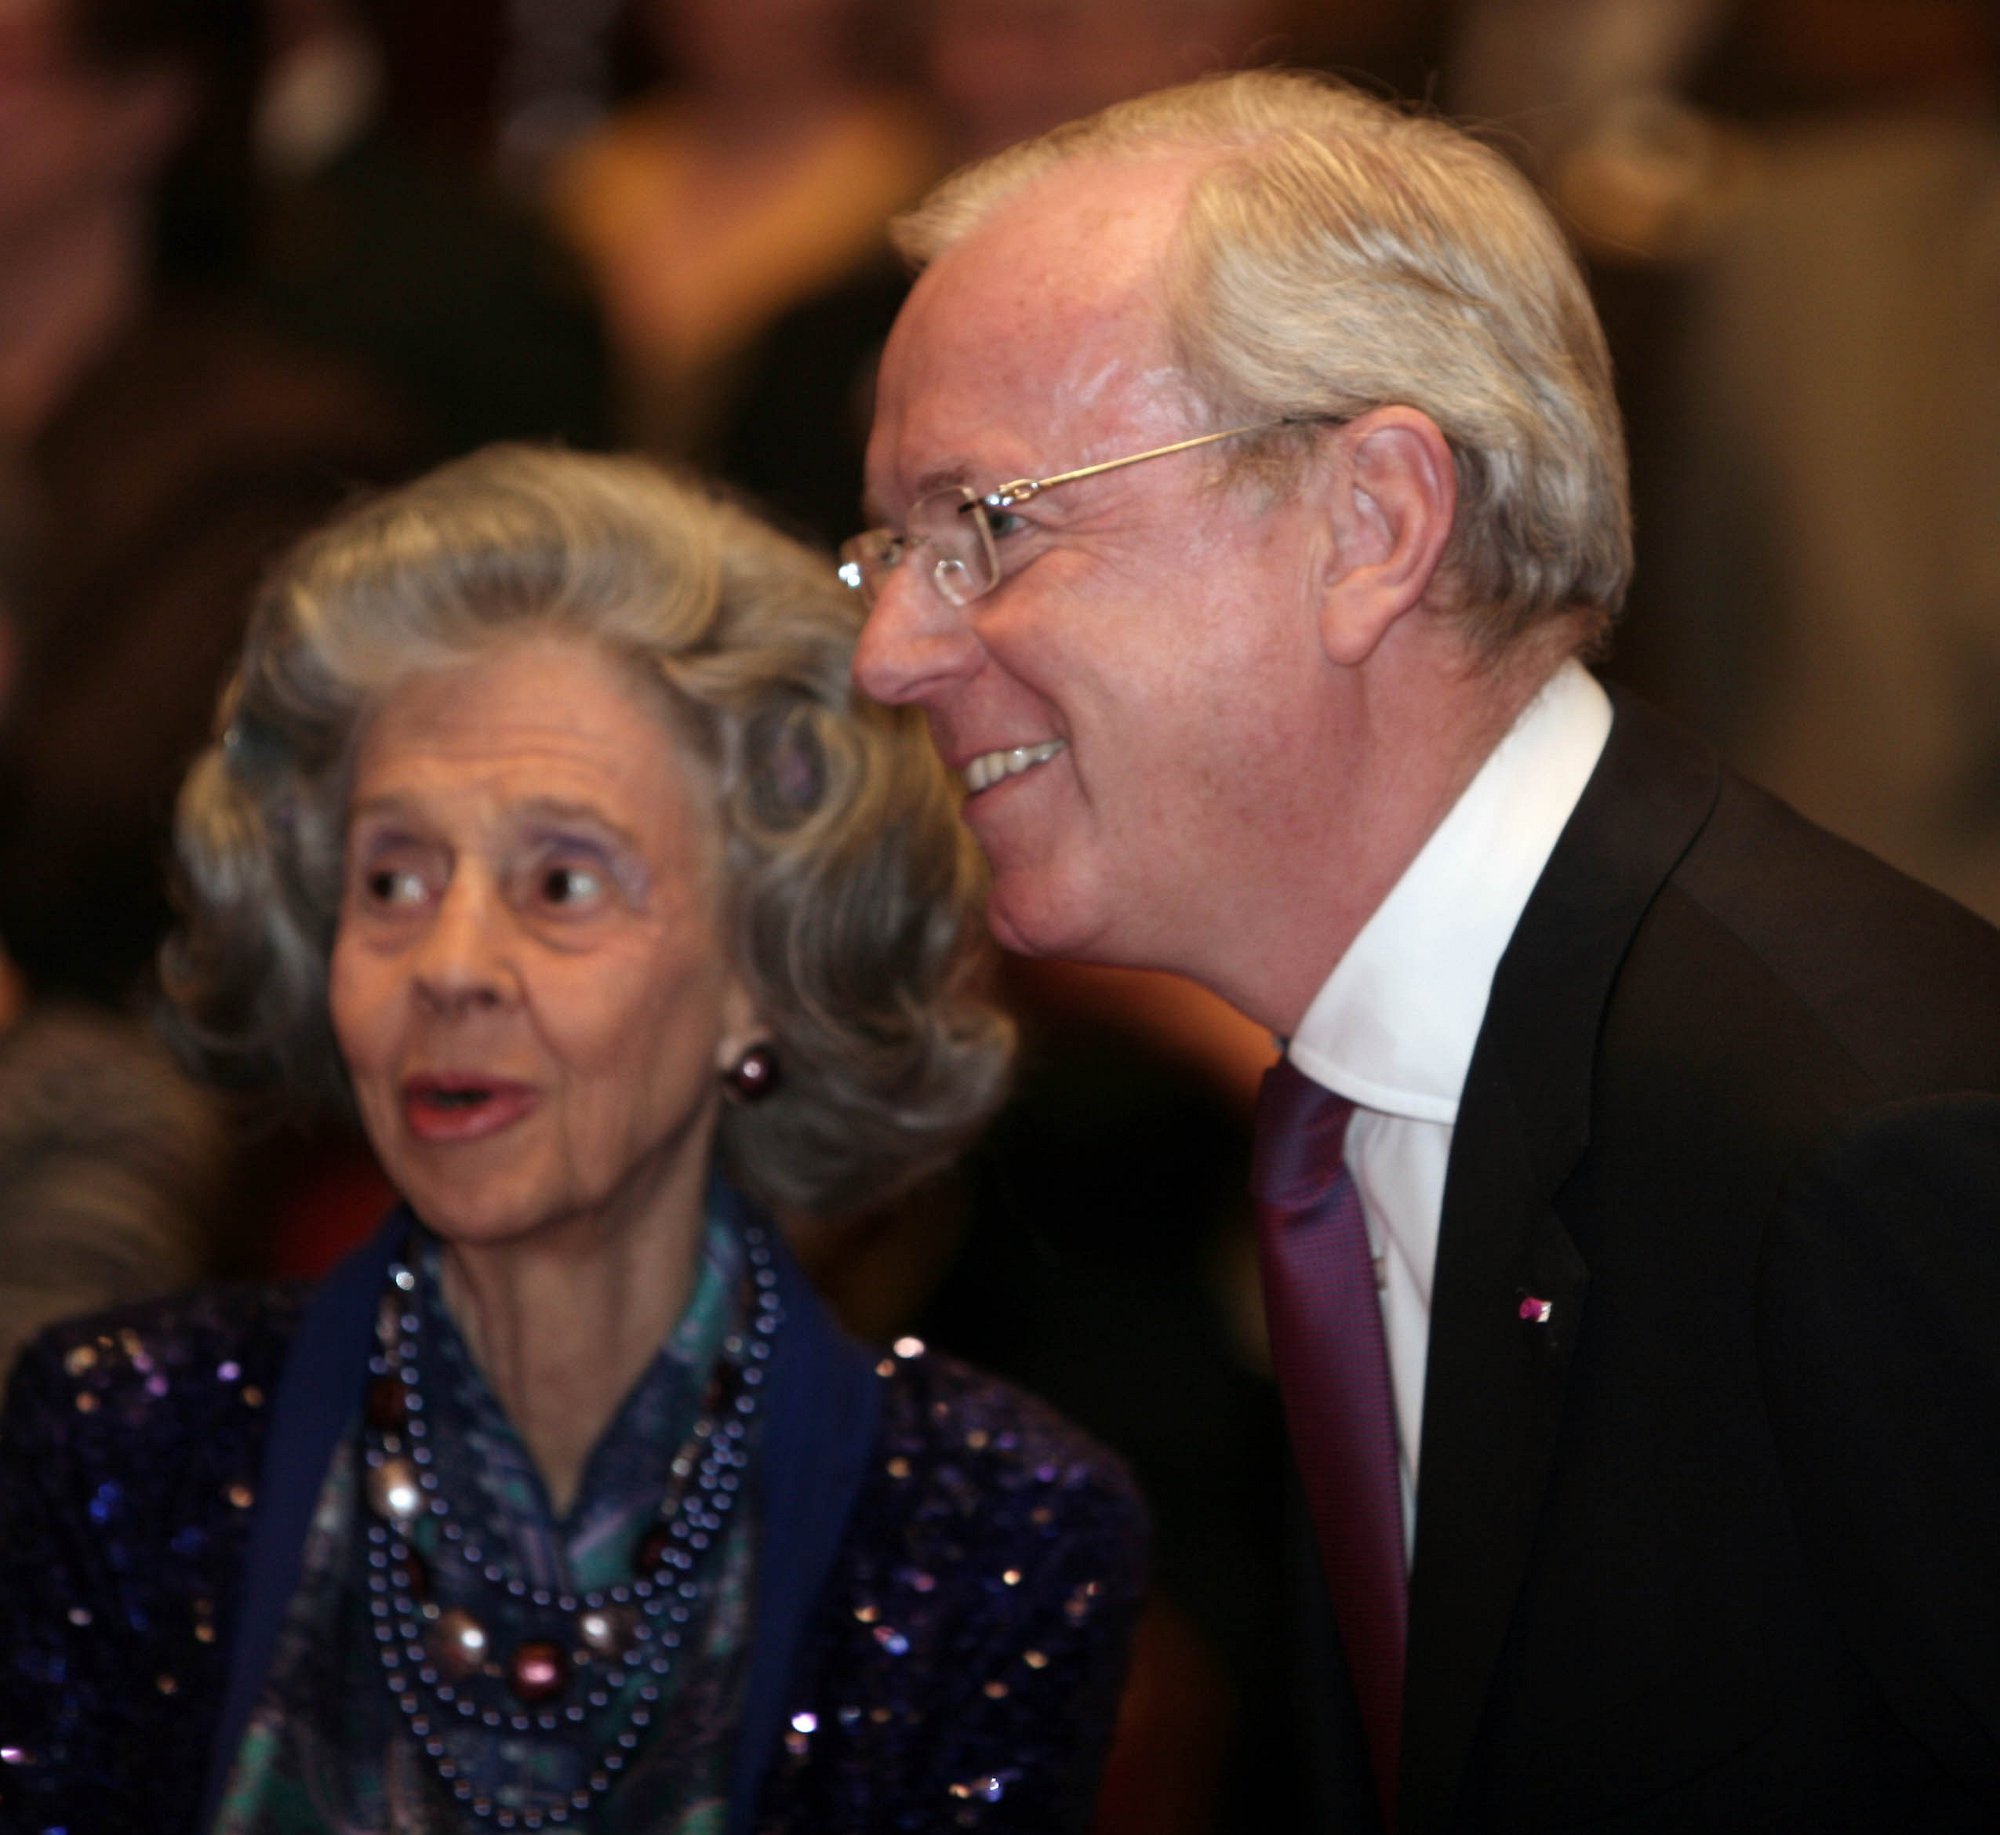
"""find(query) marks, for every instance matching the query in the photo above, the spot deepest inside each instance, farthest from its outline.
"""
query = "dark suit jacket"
(1717, 1546)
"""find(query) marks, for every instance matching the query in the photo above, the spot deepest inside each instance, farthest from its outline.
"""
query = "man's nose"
(465, 958)
(915, 643)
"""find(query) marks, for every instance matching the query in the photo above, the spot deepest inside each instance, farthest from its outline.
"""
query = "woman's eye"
(569, 884)
(393, 886)
(1004, 523)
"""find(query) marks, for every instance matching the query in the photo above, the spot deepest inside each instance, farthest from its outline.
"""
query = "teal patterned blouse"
(328, 1751)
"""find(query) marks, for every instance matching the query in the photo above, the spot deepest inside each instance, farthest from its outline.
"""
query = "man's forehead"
(1078, 238)
(1051, 309)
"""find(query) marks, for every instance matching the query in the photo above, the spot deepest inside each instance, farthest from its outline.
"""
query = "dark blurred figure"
(1822, 513)
(1104, 1260)
(1792, 213)
(112, 1169)
(760, 169)
(391, 255)
(169, 443)
(797, 424)
(111, 1161)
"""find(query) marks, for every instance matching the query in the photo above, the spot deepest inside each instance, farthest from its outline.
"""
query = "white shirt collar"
(1394, 1026)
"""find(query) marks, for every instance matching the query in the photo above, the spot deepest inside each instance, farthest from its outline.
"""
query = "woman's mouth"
(463, 1108)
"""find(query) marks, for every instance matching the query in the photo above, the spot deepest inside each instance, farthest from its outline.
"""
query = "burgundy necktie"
(1332, 1364)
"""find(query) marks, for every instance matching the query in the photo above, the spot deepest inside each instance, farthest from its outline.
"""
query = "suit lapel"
(1498, 1363)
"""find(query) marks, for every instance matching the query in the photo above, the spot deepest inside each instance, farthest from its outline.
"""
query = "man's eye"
(1003, 523)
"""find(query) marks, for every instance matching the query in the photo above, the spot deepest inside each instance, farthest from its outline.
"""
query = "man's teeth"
(990, 767)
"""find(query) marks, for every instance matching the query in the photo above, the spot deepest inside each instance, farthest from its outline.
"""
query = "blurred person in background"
(169, 443)
(761, 169)
(1792, 213)
(113, 1169)
(796, 425)
(112, 1163)
(409, 258)
(1820, 506)
(544, 820)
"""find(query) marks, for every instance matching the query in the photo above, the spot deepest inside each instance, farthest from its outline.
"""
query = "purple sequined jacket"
(948, 1571)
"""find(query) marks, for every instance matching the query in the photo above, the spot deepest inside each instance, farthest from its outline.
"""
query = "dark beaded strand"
(432, 1659)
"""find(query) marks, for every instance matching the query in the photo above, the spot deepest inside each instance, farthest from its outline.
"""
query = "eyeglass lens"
(949, 530)
(952, 526)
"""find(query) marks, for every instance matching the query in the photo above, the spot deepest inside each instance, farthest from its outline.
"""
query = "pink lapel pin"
(1536, 1311)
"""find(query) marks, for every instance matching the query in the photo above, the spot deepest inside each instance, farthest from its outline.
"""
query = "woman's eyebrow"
(584, 821)
(389, 805)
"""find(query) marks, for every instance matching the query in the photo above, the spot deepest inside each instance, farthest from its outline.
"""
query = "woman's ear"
(1391, 496)
(742, 1027)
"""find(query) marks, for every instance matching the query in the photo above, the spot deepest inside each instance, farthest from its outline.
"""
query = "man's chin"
(1026, 921)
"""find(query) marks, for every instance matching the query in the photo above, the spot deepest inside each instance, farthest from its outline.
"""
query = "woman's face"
(529, 983)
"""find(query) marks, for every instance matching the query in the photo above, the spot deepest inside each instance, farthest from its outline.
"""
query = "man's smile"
(990, 768)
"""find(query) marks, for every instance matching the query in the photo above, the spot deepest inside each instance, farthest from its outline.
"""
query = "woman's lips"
(463, 1108)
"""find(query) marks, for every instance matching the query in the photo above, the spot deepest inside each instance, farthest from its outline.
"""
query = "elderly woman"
(543, 820)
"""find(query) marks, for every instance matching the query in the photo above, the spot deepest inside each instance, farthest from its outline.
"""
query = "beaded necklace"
(439, 1664)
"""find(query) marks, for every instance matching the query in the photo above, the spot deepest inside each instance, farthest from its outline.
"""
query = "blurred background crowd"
(256, 255)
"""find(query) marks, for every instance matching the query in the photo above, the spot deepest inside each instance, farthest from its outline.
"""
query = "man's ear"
(1393, 492)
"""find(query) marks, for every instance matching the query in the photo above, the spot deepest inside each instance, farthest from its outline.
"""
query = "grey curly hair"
(849, 887)
(1339, 254)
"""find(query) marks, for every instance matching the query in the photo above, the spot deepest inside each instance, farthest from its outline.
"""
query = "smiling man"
(1251, 497)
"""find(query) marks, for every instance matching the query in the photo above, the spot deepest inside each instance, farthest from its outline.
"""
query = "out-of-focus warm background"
(256, 255)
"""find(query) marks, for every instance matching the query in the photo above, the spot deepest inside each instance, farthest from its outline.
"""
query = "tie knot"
(1300, 1130)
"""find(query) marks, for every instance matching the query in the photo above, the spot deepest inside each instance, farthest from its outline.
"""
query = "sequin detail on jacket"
(959, 1670)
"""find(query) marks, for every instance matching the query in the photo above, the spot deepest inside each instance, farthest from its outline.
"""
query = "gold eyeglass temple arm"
(1006, 496)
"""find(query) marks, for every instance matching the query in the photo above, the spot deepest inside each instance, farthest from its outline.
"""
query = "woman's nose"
(466, 954)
